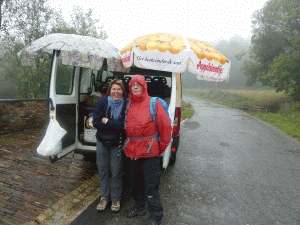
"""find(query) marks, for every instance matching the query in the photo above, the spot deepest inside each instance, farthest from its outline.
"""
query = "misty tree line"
(236, 49)
(271, 57)
(21, 22)
(275, 47)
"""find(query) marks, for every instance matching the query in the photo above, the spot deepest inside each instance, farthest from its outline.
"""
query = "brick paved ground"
(30, 184)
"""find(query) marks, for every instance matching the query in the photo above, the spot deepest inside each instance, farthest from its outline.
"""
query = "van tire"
(175, 144)
(172, 159)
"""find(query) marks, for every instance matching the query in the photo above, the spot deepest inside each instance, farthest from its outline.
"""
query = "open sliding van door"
(63, 96)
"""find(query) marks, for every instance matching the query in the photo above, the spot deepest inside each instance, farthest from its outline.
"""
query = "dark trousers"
(146, 180)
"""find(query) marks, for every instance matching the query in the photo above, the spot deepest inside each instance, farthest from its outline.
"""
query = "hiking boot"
(134, 211)
(115, 206)
(102, 204)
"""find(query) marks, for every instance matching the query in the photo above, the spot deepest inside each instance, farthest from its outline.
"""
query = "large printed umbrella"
(173, 53)
(76, 50)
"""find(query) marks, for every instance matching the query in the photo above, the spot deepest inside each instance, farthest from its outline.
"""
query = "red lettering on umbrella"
(209, 67)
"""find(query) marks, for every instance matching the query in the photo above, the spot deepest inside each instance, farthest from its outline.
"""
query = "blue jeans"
(109, 162)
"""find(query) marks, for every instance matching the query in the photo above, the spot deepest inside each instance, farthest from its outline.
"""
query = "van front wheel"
(175, 145)
(172, 159)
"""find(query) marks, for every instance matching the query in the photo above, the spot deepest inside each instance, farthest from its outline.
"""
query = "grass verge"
(267, 105)
(187, 111)
(288, 121)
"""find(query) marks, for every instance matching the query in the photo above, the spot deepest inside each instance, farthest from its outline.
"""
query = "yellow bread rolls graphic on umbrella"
(204, 50)
(152, 45)
(161, 42)
(174, 53)
(165, 46)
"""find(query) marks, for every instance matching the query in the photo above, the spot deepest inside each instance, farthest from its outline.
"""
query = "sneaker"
(102, 204)
(134, 211)
(115, 206)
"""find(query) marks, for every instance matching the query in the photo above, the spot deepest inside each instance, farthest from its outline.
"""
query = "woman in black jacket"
(108, 118)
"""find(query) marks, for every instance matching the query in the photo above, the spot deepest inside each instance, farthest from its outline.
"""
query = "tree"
(82, 22)
(276, 29)
(24, 21)
(284, 72)
(236, 50)
(5, 11)
(30, 81)
(1, 3)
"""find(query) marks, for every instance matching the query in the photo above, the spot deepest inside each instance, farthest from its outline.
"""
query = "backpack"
(153, 111)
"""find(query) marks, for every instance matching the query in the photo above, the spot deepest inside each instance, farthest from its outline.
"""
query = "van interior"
(94, 84)
(74, 92)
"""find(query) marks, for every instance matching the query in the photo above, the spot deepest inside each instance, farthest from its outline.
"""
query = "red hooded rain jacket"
(145, 138)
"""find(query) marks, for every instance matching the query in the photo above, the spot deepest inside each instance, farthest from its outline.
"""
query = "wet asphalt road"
(231, 170)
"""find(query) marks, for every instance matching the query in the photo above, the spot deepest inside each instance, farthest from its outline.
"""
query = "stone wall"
(17, 115)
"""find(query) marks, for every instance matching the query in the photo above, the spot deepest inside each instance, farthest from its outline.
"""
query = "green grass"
(267, 105)
(187, 111)
(248, 100)
(289, 121)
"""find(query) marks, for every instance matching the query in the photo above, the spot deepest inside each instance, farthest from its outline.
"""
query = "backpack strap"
(127, 105)
(153, 110)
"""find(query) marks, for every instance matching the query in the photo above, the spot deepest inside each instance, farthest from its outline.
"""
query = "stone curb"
(65, 210)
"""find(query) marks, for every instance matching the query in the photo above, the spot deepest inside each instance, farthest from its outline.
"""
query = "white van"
(74, 92)
(76, 86)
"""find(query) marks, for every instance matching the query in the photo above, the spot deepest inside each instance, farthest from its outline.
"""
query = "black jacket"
(112, 133)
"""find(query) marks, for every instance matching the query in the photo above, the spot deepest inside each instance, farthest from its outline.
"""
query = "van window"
(103, 81)
(85, 82)
(159, 86)
(107, 76)
(64, 79)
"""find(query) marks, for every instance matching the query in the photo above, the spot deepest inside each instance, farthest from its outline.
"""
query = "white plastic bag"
(51, 143)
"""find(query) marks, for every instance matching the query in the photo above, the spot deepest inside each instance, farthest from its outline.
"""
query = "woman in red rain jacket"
(146, 141)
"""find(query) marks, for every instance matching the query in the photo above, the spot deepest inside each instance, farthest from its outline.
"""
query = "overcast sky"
(206, 20)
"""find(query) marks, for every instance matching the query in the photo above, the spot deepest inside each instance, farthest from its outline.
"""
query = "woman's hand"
(104, 120)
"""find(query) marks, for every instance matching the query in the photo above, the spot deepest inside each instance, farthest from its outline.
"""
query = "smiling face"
(116, 92)
(136, 89)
